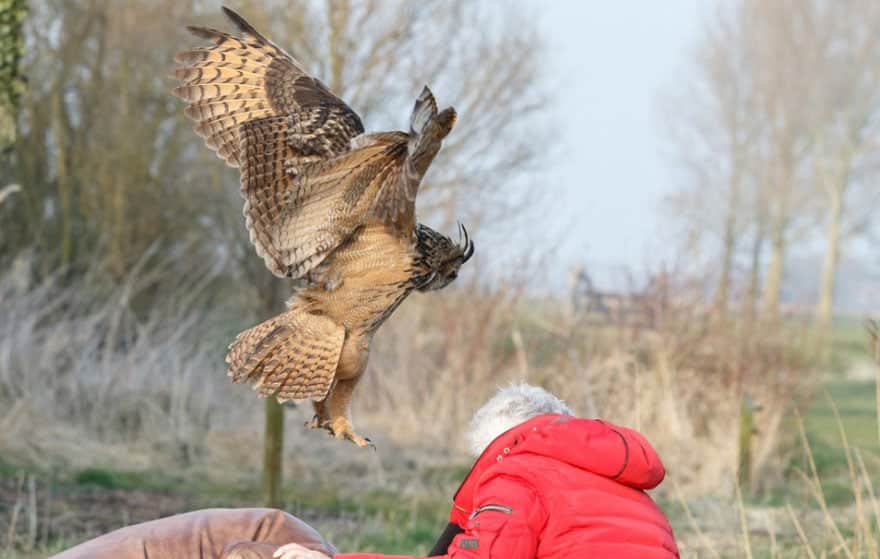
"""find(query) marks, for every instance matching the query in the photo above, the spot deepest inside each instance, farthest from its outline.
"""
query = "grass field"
(89, 502)
(396, 501)
(407, 515)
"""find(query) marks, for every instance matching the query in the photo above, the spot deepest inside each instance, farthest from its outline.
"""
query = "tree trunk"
(723, 294)
(746, 433)
(773, 281)
(825, 307)
(339, 12)
(273, 448)
(62, 176)
(754, 291)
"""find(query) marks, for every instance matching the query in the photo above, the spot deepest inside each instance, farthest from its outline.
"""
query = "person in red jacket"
(548, 485)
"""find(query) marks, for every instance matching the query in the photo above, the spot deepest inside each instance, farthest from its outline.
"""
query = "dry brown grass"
(682, 383)
(85, 379)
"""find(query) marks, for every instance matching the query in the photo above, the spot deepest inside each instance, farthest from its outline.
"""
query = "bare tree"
(783, 88)
(711, 120)
(780, 129)
(848, 77)
(102, 149)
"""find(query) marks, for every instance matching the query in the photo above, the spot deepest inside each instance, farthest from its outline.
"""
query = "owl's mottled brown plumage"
(325, 204)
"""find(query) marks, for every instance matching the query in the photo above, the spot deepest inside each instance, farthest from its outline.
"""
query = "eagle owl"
(325, 204)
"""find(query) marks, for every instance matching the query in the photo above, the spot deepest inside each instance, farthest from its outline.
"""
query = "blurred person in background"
(548, 485)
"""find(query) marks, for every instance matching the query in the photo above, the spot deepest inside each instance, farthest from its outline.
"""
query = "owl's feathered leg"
(336, 407)
(333, 412)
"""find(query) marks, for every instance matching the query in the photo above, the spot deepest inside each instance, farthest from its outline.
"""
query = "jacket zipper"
(499, 508)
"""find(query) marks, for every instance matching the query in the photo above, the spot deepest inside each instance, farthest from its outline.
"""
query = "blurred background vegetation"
(125, 271)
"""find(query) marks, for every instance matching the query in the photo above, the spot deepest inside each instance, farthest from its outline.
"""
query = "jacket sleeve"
(506, 524)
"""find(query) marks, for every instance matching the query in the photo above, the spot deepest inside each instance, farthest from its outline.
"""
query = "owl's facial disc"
(456, 255)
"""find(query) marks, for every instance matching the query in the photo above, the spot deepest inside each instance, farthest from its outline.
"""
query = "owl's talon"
(317, 422)
(362, 442)
(341, 429)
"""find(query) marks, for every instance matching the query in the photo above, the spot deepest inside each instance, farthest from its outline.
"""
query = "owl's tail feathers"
(292, 356)
(427, 128)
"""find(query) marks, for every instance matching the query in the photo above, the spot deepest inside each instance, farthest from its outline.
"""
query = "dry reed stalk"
(692, 521)
(800, 530)
(815, 485)
(744, 525)
(874, 345)
(855, 482)
(875, 506)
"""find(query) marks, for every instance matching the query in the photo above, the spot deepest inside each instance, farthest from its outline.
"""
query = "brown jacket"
(203, 534)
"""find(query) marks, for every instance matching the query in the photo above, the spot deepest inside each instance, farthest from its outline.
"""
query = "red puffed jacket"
(558, 487)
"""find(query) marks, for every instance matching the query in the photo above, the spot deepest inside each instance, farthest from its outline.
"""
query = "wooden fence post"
(746, 432)
(273, 448)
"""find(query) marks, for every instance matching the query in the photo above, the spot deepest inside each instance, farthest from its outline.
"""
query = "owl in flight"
(325, 204)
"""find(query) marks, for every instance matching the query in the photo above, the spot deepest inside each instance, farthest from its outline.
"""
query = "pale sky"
(611, 59)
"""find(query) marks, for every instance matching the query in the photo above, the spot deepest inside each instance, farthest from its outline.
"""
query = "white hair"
(508, 408)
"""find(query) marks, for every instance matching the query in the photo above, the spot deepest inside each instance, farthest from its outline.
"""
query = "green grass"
(396, 526)
(375, 519)
(38, 552)
(149, 480)
(849, 344)
(856, 403)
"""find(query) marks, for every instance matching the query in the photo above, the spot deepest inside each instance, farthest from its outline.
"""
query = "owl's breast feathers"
(364, 280)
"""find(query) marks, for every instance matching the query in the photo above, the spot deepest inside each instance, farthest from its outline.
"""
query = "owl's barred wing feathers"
(258, 108)
(292, 356)
(237, 80)
(427, 129)
(309, 176)
(296, 219)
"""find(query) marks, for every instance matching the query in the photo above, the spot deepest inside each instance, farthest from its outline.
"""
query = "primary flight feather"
(325, 204)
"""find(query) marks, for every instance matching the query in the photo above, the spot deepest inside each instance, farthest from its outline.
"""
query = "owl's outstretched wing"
(261, 111)
(309, 175)
(313, 211)
(395, 201)
(241, 79)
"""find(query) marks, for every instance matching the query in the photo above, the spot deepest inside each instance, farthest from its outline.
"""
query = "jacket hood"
(592, 445)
